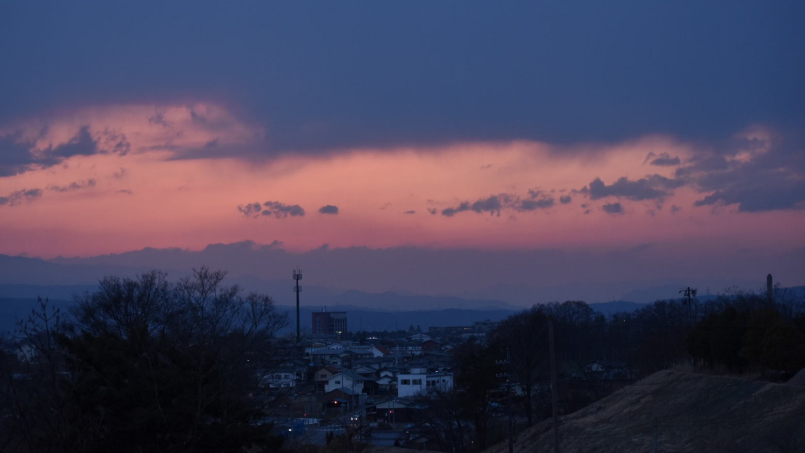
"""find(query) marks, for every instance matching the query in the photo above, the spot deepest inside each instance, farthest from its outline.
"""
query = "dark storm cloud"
(82, 144)
(653, 187)
(271, 208)
(335, 75)
(18, 156)
(328, 209)
(15, 156)
(75, 185)
(662, 160)
(773, 178)
(613, 208)
(755, 197)
(17, 197)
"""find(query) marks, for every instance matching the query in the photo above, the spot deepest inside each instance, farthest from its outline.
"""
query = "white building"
(415, 383)
(345, 380)
(279, 379)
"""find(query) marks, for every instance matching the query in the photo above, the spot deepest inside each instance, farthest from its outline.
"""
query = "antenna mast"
(297, 275)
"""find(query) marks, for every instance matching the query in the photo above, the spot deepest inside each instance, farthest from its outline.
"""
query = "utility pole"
(689, 295)
(509, 401)
(508, 376)
(554, 397)
(297, 275)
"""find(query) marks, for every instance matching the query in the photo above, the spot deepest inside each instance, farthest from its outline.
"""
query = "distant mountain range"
(23, 280)
(371, 312)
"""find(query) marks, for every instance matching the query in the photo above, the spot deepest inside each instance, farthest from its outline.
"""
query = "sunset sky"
(585, 127)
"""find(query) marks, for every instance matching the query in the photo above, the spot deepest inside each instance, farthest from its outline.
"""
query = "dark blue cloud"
(328, 75)
(281, 210)
(75, 185)
(494, 204)
(271, 208)
(613, 208)
(663, 160)
(772, 179)
(17, 197)
(18, 155)
(328, 209)
(531, 205)
(15, 155)
(655, 187)
(82, 144)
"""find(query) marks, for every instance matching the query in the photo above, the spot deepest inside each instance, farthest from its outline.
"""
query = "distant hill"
(693, 413)
(13, 311)
(616, 306)
(374, 320)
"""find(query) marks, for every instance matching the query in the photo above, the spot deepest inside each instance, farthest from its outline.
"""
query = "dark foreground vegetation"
(149, 365)
(143, 365)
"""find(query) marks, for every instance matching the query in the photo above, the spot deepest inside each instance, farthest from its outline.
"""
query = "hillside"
(693, 412)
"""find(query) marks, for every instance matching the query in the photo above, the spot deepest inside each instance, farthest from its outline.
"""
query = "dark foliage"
(750, 332)
(147, 365)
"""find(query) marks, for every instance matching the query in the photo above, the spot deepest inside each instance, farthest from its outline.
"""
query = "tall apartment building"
(329, 322)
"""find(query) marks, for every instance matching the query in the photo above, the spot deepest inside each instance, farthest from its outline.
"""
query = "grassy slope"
(694, 413)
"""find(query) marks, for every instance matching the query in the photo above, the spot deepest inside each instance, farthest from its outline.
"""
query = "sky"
(655, 131)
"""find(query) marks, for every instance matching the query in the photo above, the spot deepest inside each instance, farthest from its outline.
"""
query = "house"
(365, 371)
(386, 381)
(345, 379)
(418, 382)
(330, 355)
(281, 378)
(392, 411)
(607, 370)
(419, 337)
(323, 374)
(342, 398)
(380, 351)
(376, 363)
(430, 346)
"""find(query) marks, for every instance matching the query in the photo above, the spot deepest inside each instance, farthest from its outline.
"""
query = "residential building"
(345, 380)
(414, 383)
(329, 322)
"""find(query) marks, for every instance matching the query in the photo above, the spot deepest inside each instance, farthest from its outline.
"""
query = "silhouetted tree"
(524, 336)
(147, 365)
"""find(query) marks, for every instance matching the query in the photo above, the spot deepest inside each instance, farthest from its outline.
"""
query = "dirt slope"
(694, 413)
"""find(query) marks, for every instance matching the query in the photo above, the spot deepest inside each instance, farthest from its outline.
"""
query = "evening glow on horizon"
(586, 129)
(149, 183)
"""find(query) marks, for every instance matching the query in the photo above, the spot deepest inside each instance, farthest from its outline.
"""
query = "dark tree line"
(748, 332)
(596, 355)
(144, 364)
